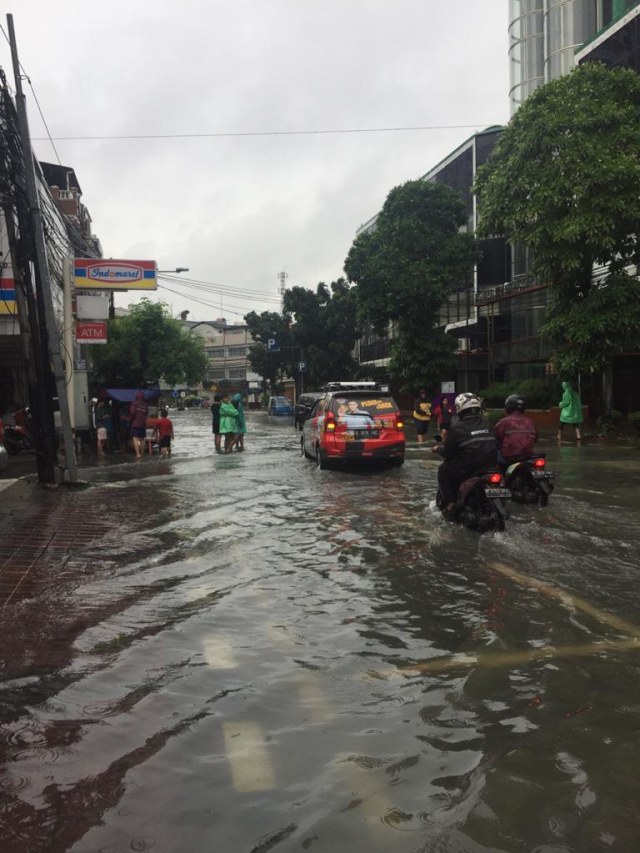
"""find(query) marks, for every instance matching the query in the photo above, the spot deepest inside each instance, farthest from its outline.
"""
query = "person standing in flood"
(228, 423)
(242, 423)
(138, 412)
(421, 415)
(215, 422)
(570, 410)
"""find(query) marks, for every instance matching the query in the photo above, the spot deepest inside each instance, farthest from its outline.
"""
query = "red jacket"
(516, 435)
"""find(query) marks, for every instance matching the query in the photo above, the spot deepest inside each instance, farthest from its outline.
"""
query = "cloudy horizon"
(235, 174)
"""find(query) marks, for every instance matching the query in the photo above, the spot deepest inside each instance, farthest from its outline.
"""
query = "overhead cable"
(224, 134)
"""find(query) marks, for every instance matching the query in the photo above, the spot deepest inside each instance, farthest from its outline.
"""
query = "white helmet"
(467, 401)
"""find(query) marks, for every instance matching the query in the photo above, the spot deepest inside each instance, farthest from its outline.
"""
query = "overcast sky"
(239, 209)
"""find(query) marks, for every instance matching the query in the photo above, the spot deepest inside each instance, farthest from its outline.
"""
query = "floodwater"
(260, 656)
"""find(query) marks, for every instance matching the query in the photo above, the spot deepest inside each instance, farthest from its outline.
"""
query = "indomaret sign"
(100, 274)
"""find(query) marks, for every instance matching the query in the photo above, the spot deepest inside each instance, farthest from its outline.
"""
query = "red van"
(354, 422)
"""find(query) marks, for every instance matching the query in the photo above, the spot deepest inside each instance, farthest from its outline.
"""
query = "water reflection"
(256, 655)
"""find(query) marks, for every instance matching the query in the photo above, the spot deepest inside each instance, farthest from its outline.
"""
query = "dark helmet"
(514, 403)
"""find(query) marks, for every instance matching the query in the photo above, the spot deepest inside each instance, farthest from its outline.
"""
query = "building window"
(236, 351)
(214, 352)
(237, 373)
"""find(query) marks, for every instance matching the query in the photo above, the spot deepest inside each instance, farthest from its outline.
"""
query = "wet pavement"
(246, 654)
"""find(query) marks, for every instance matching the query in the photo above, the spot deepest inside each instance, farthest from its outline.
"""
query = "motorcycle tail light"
(495, 478)
(538, 463)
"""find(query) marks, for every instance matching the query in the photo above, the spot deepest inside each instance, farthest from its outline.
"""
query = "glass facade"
(568, 24)
(526, 49)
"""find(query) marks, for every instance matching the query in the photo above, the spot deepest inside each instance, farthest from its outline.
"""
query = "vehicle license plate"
(491, 492)
(365, 433)
(542, 475)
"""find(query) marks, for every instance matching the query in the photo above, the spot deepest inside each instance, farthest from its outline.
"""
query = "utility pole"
(43, 280)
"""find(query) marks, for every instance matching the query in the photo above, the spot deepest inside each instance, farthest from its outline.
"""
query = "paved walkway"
(42, 530)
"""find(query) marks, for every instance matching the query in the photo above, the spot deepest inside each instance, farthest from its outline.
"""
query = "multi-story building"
(544, 36)
(461, 315)
(227, 349)
(497, 315)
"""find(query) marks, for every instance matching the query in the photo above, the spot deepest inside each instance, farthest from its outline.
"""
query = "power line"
(35, 98)
(206, 302)
(223, 290)
(226, 134)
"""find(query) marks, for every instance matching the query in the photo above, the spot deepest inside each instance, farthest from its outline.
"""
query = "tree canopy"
(269, 325)
(146, 346)
(316, 327)
(403, 271)
(564, 180)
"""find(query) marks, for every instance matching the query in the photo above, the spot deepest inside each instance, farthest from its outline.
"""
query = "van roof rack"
(352, 386)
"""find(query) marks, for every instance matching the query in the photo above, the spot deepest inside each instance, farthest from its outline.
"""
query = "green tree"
(564, 180)
(403, 271)
(323, 331)
(271, 365)
(148, 345)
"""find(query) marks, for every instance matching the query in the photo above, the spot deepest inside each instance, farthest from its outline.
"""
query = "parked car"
(303, 407)
(280, 406)
(354, 422)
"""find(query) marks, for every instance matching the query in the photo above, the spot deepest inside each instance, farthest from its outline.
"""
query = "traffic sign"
(302, 366)
(272, 345)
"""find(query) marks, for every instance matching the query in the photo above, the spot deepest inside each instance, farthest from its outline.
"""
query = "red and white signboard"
(91, 333)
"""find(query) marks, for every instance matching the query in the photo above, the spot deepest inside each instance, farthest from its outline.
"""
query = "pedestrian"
(164, 433)
(228, 423)
(421, 415)
(242, 422)
(102, 418)
(570, 410)
(138, 412)
(215, 422)
(443, 417)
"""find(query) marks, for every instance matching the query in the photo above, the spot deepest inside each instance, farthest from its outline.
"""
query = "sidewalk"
(41, 531)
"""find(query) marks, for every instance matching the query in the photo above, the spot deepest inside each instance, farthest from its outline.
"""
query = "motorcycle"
(16, 436)
(530, 481)
(482, 502)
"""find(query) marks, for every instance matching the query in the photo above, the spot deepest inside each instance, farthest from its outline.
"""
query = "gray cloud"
(238, 210)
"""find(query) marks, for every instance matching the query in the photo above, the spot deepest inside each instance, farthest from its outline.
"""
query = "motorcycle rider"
(516, 433)
(469, 447)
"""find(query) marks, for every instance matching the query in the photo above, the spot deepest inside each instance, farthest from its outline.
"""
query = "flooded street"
(257, 655)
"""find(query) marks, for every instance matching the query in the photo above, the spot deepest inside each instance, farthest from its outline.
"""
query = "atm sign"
(91, 333)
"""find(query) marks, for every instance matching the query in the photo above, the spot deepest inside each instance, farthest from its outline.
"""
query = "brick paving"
(41, 529)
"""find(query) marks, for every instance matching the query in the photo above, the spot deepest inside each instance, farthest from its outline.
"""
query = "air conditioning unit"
(463, 344)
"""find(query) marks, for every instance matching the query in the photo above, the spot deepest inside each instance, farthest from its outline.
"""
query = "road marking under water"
(515, 658)
(568, 599)
(524, 656)
(248, 756)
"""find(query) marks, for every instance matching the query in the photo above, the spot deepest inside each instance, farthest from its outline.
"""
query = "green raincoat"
(570, 406)
(242, 423)
(228, 418)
